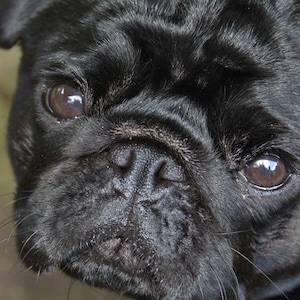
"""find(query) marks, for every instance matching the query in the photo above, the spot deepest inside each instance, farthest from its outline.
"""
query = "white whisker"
(221, 286)
(27, 241)
(261, 272)
(232, 232)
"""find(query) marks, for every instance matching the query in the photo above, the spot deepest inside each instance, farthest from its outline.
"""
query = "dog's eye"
(64, 101)
(267, 172)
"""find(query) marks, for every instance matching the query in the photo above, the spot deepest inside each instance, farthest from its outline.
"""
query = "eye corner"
(267, 172)
(64, 101)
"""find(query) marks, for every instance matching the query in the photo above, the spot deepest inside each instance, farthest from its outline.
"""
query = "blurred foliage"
(16, 283)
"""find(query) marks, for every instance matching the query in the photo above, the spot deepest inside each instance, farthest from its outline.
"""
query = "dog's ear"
(15, 15)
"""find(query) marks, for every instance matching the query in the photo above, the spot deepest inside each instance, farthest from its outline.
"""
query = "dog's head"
(156, 144)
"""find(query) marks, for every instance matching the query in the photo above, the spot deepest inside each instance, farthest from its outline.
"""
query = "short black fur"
(148, 190)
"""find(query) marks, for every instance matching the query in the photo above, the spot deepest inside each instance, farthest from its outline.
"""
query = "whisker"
(221, 286)
(15, 194)
(72, 281)
(15, 200)
(38, 275)
(19, 267)
(234, 277)
(9, 220)
(261, 272)
(26, 270)
(235, 288)
(12, 202)
(7, 194)
(67, 265)
(27, 241)
(6, 226)
(232, 232)
(202, 292)
(236, 296)
(32, 248)
(19, 222)
(8, 239)
(13, 232)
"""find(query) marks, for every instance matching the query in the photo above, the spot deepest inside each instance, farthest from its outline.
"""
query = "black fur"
(148, 191)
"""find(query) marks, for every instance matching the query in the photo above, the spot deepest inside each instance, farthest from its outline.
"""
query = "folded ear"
(15, 15)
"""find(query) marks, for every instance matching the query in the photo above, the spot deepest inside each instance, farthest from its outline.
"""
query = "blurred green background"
(17, 283)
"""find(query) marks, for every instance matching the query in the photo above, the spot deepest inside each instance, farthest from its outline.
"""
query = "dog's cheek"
(20, 147)
(20, 127)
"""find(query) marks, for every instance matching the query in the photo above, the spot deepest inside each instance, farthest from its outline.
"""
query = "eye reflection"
(267, 172)
(64, 101)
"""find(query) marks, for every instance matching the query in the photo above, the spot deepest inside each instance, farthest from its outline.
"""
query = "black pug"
(156, 144)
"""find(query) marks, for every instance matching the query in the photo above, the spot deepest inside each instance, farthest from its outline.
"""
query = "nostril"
(170, 171)
(123, 157)
(137, 163)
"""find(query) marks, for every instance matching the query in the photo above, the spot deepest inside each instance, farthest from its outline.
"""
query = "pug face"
(156, 144)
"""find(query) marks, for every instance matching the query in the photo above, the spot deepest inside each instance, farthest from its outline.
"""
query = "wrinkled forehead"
(165, 43)
(168, 30)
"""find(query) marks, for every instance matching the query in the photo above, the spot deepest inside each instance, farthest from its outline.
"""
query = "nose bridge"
(143, 167)
(137, 177)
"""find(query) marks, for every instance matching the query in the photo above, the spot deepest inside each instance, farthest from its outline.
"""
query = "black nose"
(144, 169)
